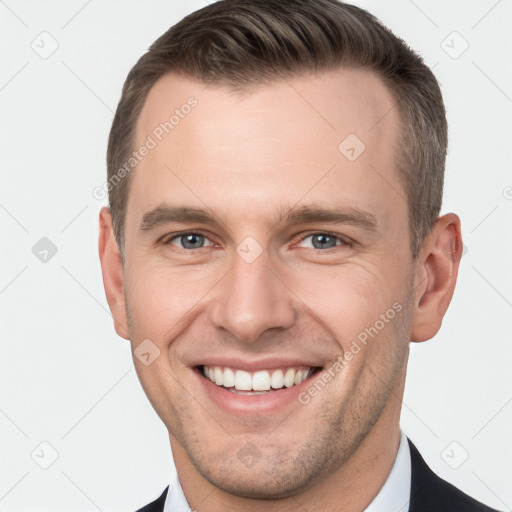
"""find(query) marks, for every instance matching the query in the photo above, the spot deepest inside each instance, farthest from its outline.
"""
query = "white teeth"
(277, 380)
(217, 373)
(261, 380)
(243, 381)
(229, 378)
(289, 378)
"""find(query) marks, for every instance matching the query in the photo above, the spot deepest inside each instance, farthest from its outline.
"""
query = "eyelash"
(345, 242)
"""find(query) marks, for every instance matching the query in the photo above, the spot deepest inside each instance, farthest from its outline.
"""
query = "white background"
(65, 376)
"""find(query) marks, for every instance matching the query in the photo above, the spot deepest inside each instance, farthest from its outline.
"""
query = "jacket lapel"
(157, 505)
(430, 493)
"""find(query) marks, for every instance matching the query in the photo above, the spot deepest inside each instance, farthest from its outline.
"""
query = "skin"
(248, 158)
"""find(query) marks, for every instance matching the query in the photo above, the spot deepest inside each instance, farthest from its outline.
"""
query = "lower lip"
(250, 404)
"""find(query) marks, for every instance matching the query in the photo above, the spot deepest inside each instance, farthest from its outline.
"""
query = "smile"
(257, 382)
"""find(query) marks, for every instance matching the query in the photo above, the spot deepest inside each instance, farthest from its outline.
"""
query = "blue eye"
(323, 240)
(189, 241)
(320, 241)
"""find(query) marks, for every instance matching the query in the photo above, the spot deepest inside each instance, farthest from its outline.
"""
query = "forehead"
(335, 102)
(326, 138)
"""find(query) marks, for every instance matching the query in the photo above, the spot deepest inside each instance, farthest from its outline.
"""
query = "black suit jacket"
(429, 493)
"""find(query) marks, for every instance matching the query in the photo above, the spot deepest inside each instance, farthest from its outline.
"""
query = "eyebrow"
(166, 214)
(311, 214)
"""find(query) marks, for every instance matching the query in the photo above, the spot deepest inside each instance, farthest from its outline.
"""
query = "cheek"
(344, 299)
(347, 300)
(162, 299)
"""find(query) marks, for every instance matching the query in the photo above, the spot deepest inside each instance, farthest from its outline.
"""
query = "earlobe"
(436, 275)
(112, 270)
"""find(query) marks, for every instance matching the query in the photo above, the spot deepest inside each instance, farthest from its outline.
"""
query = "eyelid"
(342, 238)
(167, 239)
(345, 241)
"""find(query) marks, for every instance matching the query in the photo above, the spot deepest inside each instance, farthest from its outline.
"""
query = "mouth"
(259, 382)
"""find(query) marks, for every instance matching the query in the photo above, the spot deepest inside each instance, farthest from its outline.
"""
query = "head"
(284, 214)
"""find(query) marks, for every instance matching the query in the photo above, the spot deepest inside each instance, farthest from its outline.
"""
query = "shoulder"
(157, 505)
(430, 493)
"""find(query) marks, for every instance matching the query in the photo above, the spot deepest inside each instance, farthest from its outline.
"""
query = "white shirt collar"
(393, 497)
(175, 500)
(395, 494)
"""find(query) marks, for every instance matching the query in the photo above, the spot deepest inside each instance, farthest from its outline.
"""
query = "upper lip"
(256, 364)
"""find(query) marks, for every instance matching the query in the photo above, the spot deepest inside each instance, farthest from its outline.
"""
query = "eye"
(323, 241)
(189, 241)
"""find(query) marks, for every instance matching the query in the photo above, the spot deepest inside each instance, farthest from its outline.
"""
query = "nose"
(252, 299)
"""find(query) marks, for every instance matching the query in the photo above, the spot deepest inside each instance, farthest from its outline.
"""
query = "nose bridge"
(251, 298)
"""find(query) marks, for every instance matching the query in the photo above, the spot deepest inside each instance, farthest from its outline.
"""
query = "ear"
(436, 275)
(113, 276)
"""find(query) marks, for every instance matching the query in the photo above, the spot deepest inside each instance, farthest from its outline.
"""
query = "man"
(272, 246)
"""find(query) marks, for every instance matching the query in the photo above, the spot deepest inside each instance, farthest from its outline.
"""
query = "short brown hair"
(245, 43)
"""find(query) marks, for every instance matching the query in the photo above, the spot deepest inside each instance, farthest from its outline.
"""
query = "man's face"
(261, 289)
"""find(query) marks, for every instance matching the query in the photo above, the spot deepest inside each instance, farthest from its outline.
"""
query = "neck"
(350, 488)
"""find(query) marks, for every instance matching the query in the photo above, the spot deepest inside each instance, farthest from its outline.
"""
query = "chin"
(264, 472)
(264, 483)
